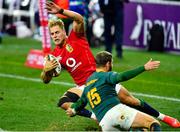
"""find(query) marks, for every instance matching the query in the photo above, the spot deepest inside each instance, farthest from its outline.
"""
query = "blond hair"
(57, 22)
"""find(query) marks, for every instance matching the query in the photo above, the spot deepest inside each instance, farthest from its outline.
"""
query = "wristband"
(61, 11)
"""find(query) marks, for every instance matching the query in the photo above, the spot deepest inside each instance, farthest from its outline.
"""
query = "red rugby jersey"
(76, 57)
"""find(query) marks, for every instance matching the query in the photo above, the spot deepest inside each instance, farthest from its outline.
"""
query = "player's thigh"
(107, 127)
(126, 116)
(108, 122)
(72, 95)
(127, 98)
(143, 120)
(76, 90)
(119, 117)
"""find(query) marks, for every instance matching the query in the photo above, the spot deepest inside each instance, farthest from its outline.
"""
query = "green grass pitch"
(26, 104)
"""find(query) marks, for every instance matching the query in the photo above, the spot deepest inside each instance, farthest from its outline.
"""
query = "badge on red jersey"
(69, 48)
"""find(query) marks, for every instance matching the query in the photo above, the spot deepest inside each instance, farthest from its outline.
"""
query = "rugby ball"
(57, 70)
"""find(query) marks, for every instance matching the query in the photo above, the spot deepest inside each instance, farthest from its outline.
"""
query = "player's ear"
(107, 65)
(109, 62)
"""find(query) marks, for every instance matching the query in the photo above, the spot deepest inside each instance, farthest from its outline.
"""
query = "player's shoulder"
(99, 76)
(110, 74)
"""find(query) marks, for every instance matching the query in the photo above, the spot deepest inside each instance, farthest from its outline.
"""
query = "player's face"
(58, 35)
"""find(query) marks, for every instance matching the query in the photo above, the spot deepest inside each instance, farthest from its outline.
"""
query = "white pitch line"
(71, 84)
(157, 97)
(32, 79)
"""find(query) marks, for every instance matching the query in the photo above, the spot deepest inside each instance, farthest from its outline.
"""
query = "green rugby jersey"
(100, 92)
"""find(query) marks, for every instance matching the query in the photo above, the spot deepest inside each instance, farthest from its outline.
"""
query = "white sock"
(161, 116)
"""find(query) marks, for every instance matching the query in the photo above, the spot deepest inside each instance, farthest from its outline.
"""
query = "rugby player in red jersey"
(75, 56)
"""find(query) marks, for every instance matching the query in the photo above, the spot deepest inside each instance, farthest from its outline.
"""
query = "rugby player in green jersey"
(102, 98)
(75, 56)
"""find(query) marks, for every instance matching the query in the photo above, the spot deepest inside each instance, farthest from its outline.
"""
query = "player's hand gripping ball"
(57, 70)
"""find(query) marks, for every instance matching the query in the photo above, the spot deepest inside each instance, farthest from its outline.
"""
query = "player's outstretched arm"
(78, 22)
(151, 65)
(77, 106)
(124, 76)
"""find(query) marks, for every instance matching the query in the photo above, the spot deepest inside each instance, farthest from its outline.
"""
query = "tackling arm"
(77, 106)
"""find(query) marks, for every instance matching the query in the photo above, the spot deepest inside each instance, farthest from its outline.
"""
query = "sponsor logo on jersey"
(71, 62)
(69, 48)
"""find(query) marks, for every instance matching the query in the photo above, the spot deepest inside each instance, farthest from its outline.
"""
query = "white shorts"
(80, 87)
(118, 87)
(120, 117)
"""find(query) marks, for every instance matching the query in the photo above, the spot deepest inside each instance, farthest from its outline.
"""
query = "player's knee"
(66, 99)
(155, 126)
